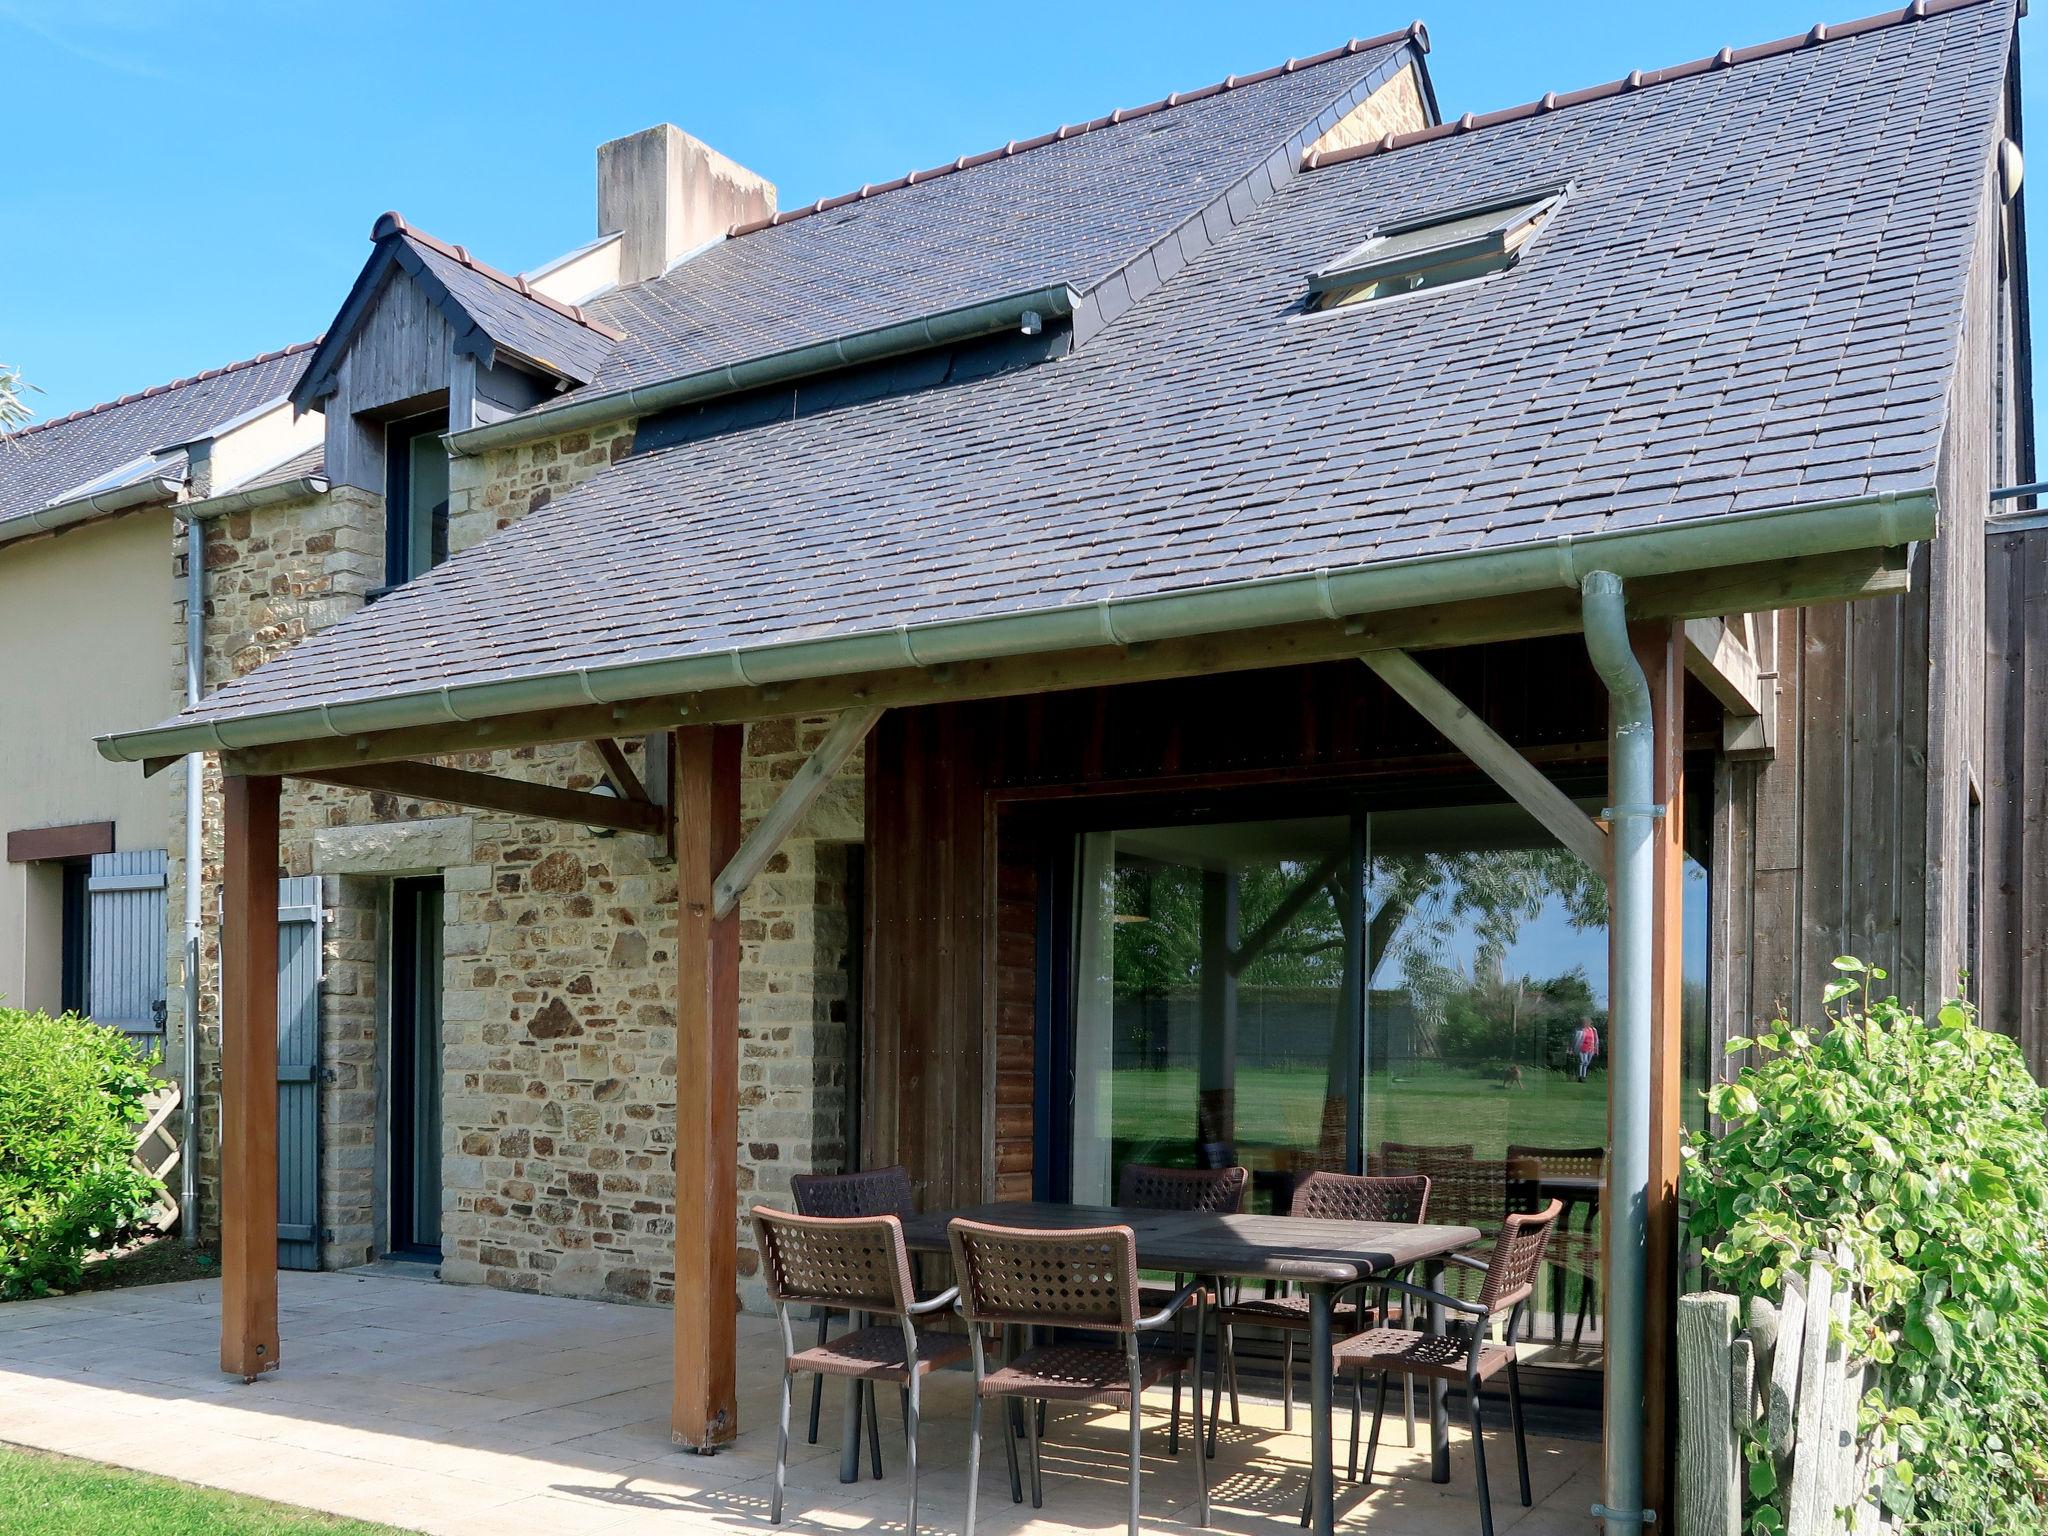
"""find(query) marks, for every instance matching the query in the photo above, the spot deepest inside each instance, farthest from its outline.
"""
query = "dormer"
(432, 340)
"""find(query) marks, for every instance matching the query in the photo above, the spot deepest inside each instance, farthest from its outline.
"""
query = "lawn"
(1283, 1108)
(56, 1496)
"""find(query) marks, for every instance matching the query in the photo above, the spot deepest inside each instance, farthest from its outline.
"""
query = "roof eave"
(1884, 521)
(84, 509)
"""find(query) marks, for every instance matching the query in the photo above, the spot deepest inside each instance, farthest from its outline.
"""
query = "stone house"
(772, 689)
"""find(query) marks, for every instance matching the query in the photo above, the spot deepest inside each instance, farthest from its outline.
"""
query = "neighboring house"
(1001, 544)
(91, 507)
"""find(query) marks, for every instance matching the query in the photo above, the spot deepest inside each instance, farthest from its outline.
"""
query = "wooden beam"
(488, 792)
(619, 773)
(1717, 657)
(797, 797)
(79, 840)
(1522, 779)
(705, 1411)
(1770, 584)
(1661, 651)
(248, 1078)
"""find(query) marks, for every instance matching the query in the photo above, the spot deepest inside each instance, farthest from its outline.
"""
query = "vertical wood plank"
(1710, 1495)
(705, 1411)
(1660, 650)
(248, 1089)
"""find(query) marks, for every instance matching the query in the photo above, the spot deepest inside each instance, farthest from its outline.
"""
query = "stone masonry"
(558, 944)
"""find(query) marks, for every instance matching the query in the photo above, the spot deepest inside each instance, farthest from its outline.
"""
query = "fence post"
(1709, 1458)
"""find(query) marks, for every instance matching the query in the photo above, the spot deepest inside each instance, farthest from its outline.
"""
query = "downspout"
(1632, 822)
(195, 809)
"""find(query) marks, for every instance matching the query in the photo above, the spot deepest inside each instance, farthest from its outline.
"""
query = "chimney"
(668, 194)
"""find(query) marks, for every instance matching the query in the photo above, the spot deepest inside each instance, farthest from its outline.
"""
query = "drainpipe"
(1633, 819)
(195, 809)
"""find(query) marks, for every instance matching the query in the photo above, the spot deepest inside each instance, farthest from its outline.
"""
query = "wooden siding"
(2016, 794)
(397, 364)
(954, 843)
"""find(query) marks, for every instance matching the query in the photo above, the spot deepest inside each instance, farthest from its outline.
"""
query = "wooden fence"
(157, 1153)
(1783, 1384)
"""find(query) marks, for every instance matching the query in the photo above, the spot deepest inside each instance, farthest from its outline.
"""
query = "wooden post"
(248, 1079)
(706, 801)
(1710, 1500)
(1660, 651)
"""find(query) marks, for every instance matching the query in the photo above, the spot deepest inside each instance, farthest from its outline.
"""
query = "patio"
(458, 1410)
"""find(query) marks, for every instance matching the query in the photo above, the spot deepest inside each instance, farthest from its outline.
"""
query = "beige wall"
(85, 648)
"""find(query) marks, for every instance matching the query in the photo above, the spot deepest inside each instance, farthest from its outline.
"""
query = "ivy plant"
(1916, 1151)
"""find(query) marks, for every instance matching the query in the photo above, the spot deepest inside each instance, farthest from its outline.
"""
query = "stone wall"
(559, 963)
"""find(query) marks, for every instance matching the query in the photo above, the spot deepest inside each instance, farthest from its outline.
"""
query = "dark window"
(415, 497)
(1973, 880)
(75, 962)
(415, 1121)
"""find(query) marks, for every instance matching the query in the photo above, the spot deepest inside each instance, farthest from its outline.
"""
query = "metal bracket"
(1608, 813)
(1639, 1516)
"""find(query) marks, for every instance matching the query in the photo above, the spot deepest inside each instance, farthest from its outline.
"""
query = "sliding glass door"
(1383, 989)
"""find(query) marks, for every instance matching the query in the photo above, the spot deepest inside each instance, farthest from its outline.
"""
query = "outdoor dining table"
(1321, 1257)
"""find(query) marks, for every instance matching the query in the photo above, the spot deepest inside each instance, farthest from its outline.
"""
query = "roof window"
(1441, 248)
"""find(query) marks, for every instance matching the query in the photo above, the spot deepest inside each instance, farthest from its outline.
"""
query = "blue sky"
(194, 183)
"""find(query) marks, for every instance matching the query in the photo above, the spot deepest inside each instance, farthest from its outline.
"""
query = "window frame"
(399, 439)
(1359, 276)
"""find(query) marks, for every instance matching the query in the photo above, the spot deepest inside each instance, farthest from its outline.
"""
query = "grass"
(43, 1495)
(1283, 1108)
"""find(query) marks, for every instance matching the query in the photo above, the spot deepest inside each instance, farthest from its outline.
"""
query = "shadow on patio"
(459, 1410)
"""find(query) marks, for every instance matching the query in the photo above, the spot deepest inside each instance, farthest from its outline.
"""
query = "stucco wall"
(85, 630)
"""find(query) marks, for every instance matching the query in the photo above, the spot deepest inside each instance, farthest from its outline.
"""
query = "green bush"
(71, 1094)
(1919, 1151)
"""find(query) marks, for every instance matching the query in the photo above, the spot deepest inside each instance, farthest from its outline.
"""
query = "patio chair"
(1571, 1253)
(1325, 1197)
(857, 1264)
(1151, 1187)
(1082, 1279)
(1466, 1351)
(871, 1192)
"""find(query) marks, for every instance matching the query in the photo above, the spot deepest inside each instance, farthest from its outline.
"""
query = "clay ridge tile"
(1414, 32)
(1636, 80)
(393, 223)
(161, 389)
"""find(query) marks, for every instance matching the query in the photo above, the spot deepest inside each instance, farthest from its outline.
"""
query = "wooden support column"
(706, 799)
(1661, 652)
(248, 1078)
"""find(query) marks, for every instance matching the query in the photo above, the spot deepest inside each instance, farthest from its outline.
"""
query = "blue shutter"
(298, 1072)
(125, 943)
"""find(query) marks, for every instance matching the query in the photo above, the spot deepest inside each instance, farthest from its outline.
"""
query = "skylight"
(1451, 247)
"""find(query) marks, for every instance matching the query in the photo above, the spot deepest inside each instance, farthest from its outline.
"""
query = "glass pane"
(1211, 1013)
(426, 501)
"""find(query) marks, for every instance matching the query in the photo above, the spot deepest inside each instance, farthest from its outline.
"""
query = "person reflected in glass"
(1587, 1044)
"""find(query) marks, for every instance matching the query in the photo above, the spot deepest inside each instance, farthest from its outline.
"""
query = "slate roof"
(43, 462)
(488, 310)
(1751, 298)
(1072, 210)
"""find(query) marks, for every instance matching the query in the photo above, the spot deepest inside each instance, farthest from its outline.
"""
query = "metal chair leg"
(1216, 1393)
(1010, 1446)
(1379, 1411)
(1408, 1407)
(1357, 1413)
(1479, 1463)
(1287, 1385)
(818, 1382)
(1230, 1353)
(1031, 1432)
(1195, 1410)
(910, 1449)
(974, 1458)
(781, 1453)
(1173, 1424)
(874, 1431)
(1515, 1417)
(1585, 1307)
(1137, 1447)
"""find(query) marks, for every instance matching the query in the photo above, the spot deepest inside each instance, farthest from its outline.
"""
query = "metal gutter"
(83, 509)
(298, 488)
(1886, 521)
(949, 326)
(1632, 892)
